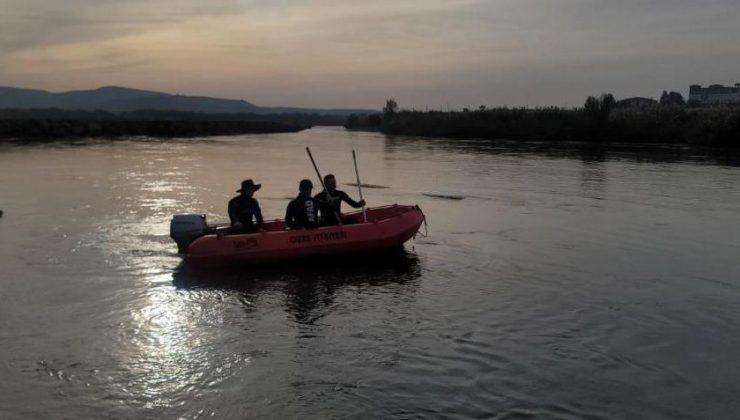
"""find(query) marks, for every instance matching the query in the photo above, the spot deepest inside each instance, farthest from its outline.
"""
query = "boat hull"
(387, 227)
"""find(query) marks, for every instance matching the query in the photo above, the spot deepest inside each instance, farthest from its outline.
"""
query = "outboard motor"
(185, 228)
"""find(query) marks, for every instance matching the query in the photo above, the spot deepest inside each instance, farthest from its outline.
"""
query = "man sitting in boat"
(330, 205)
(243, 209)
(302, 211)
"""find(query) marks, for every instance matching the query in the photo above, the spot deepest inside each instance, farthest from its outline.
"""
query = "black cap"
(248, 184)
(305, 185)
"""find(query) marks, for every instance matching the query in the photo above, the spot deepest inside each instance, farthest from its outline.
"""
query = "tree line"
(56, 123)
(600, 119)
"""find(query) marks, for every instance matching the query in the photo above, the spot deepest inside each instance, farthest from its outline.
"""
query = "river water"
(570, 281)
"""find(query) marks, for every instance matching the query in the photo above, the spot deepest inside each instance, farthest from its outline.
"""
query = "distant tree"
(390, 107)
(598, 110)
(352, 121)
(482, 108)
(693, 103)
(672, 98)
(374, 120)
(607, 102)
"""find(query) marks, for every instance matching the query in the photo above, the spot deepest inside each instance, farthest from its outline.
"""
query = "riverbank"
(52, 129)
(53, 124)
(718, 126)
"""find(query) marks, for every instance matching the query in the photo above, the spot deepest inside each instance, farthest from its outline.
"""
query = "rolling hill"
(122, 99)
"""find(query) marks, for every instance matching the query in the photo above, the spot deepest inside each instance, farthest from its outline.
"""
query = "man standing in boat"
(302, 212)
(243, 209)
(330, 204)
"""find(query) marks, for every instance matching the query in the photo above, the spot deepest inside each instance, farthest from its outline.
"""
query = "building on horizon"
(714, 94)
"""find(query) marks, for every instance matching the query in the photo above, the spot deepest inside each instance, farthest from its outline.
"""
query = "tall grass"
(718, 126)
(56, 123)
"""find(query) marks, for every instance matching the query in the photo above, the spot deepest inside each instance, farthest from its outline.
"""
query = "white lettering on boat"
(318, 237)
(299, 239)
(329, 236)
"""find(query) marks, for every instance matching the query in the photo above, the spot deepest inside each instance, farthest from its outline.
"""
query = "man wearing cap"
(302, 211)
(243, 209)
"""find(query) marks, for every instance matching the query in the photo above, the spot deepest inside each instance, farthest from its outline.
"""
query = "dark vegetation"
(56, 123)
(599, 120)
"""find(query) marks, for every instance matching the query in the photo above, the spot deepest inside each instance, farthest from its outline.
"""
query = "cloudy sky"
(356, 53)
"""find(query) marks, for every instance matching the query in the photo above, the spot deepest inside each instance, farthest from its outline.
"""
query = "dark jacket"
(244, 209)
(302, 212)
(330, 210)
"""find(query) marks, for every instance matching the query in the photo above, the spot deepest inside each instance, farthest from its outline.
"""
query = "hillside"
(122, 99)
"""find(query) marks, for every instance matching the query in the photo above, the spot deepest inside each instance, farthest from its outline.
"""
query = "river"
(566, 281)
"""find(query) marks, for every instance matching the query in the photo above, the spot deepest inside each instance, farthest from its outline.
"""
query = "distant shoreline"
(672, 124)
(51, 124)
(45, 130)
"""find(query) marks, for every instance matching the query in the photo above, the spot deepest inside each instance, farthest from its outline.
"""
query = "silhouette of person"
(244, 209)
(302, 211)
(330, 204)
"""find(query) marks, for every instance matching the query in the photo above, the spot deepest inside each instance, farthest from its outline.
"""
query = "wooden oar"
(359, 186)
(321, 179)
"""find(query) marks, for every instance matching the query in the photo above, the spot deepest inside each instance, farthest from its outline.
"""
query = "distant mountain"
(121, 99)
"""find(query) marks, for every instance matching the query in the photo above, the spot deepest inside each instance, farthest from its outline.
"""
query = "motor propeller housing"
(185, 228)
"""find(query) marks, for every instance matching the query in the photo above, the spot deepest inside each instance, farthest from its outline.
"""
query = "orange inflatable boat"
(386, 227)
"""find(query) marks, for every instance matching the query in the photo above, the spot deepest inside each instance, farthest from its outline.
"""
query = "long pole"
(321, 180)
(359, 185)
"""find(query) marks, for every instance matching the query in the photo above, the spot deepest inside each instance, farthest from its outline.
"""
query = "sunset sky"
(350, 53)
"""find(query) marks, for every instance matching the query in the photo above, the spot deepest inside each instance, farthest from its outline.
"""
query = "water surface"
(569, 281)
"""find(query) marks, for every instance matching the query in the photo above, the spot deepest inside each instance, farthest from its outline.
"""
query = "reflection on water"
(588, 152)
(161, 353)
(593, 178)
(396, 266)
(309, 286)
(558, 281)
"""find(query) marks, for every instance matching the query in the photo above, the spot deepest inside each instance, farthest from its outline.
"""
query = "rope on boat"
(426, 226)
